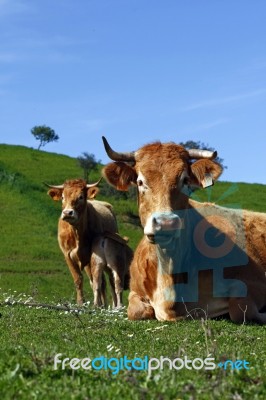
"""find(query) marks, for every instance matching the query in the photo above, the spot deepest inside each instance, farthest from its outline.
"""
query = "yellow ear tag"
(207, 181)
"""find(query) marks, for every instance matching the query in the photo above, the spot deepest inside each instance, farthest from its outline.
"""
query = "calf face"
(164, 175)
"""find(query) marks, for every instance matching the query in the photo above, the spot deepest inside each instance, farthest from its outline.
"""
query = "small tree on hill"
(44, 134)
(88, 163)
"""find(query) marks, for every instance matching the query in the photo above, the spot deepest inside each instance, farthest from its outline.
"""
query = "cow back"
(101, 217)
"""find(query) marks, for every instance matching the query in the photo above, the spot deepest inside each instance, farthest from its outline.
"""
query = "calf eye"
(140, 182)
(186, 181)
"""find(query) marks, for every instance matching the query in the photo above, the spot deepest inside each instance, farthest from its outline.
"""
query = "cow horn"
(54, 186)
(198, 153)
(117, 156)
(90, 185)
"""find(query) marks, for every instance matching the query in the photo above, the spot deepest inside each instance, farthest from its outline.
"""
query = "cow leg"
(245, 310)
(78, 279)
(138, 308)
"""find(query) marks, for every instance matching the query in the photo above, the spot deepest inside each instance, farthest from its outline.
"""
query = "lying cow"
(88, 238)
(195, 259)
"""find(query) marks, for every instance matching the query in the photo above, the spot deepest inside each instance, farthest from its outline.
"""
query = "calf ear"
(205, 172)
(120, 175)
(92, 192)
(56, 194)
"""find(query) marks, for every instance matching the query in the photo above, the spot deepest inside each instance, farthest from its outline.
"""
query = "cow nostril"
(166, 222)
(156, 223)
(68, 213)
(151, 238)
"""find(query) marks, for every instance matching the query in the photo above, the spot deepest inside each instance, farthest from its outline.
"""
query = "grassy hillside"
(235, 195)
(29, 217)
(32, 267)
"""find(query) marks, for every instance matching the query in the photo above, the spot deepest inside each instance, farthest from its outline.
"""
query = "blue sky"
(137, 71)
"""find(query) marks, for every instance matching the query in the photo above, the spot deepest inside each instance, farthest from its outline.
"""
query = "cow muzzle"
(163, 227)
(69, 215)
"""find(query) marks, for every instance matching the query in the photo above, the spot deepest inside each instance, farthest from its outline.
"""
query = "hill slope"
(29, 217)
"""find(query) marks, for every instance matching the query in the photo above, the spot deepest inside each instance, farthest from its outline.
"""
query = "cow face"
(74, 195)
(164, 175)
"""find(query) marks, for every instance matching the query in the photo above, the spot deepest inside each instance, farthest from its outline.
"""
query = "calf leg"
(103, 291)
(97, 267)
(112, 286)
(87, 269)
(116, 260)
(96, 286)
(119, 285)
(138, 308)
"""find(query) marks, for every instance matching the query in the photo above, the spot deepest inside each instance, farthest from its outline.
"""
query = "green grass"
(32, 267)
(31, 338)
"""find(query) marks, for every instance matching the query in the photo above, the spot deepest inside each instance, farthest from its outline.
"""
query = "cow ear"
(120, 175)
(92, 193)
(56, 194)
(205, 172)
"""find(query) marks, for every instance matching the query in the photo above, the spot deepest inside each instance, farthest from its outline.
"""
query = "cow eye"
(141, 183)
(81, 197)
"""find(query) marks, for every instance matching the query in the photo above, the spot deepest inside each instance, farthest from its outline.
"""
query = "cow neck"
(176, 257)
(82, 230)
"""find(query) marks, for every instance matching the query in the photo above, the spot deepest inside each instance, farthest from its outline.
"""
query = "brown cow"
(88, 238)
(195, 258)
